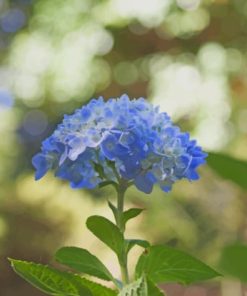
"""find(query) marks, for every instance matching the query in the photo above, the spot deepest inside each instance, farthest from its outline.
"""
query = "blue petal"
(130, 168)
(192, 175)
(166, 188)
(42, 164)
(143, 183)
(111, 148)
(85, 114)
(77, 147)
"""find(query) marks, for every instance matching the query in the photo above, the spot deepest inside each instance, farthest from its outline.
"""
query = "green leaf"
(153, 290)
(107, 232)
(83, 261)
(49, 280)
(114, 210)
(95, 288)
(137, 288)
(229, 168)
(99, 169)
(106, 183)
(233, 261)
(130, 214)
(127, 215)
(139, 242)
(165, 264)
(57, 283)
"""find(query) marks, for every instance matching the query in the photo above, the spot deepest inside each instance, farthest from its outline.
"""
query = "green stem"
(120, 208)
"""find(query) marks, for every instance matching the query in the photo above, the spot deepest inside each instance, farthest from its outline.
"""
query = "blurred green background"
(189, 57)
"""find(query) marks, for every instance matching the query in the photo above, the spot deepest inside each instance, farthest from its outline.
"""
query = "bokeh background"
(189, 57)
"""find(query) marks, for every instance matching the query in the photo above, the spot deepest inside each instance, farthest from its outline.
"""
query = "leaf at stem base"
(83, 261)
(57, 283)
(165, 264)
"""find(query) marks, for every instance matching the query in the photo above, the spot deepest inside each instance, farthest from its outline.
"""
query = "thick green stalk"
(119, 220)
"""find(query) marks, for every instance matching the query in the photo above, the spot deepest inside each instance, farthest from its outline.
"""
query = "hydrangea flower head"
(119, 138)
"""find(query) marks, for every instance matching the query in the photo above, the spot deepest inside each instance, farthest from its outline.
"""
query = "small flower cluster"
(130, 139)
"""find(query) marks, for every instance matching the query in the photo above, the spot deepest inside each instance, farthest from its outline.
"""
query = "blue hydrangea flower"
(119, 138)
